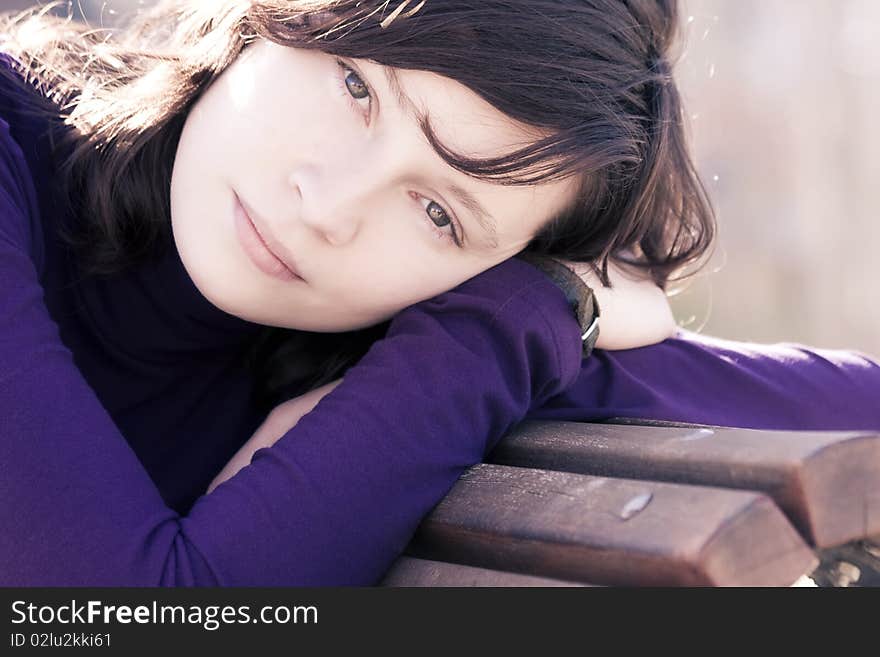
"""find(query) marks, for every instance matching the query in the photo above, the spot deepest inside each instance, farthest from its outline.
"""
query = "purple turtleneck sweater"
(121, 399)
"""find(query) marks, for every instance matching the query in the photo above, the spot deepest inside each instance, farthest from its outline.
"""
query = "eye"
(353, 88)
(434, 213)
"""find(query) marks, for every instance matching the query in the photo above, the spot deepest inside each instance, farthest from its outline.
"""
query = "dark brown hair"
(596, 75)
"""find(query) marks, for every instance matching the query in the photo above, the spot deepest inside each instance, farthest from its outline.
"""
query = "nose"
(334, 201)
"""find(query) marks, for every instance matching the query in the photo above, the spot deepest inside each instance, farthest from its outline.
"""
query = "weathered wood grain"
(410, 571)
(828, 483)
(611, 531)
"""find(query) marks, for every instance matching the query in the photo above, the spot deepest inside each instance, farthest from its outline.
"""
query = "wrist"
(580, 296)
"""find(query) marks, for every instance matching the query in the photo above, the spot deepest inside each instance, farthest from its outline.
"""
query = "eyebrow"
(484, 218)
(468, 200)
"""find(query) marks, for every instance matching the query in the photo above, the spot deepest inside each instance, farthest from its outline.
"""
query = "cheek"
(300, 116)
(408, 281)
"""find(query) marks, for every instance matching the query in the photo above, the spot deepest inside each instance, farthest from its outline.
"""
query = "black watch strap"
(579, 295)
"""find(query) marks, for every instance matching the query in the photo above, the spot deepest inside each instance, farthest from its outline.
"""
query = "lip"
(262, 249)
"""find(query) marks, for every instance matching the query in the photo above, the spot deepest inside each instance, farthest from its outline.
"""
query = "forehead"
(469, 125)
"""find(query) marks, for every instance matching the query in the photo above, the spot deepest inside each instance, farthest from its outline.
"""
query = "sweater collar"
(154, 311)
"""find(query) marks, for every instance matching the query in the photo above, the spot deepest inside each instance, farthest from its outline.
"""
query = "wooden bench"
(648, 503)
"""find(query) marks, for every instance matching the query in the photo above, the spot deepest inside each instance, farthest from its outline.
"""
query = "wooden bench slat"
(411, 571)
(611, 531)
(826, 482)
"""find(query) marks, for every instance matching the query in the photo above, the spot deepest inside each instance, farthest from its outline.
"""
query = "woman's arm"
(687, 378)
(635, 313)
(708, 380)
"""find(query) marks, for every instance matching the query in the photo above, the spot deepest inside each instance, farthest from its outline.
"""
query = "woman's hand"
(634, 312)
(280, 420)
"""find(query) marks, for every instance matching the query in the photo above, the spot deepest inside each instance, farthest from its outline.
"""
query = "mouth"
(260, 246)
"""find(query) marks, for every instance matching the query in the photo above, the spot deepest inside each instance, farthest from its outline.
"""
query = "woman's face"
(343, 186)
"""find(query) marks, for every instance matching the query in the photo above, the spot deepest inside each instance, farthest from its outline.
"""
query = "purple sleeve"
(333, 502)
(708, 380)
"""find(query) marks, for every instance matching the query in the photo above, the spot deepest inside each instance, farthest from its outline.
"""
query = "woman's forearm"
(634, 313)
(708, 380)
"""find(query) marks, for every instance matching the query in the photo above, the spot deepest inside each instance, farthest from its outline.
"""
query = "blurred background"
(782, 98)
